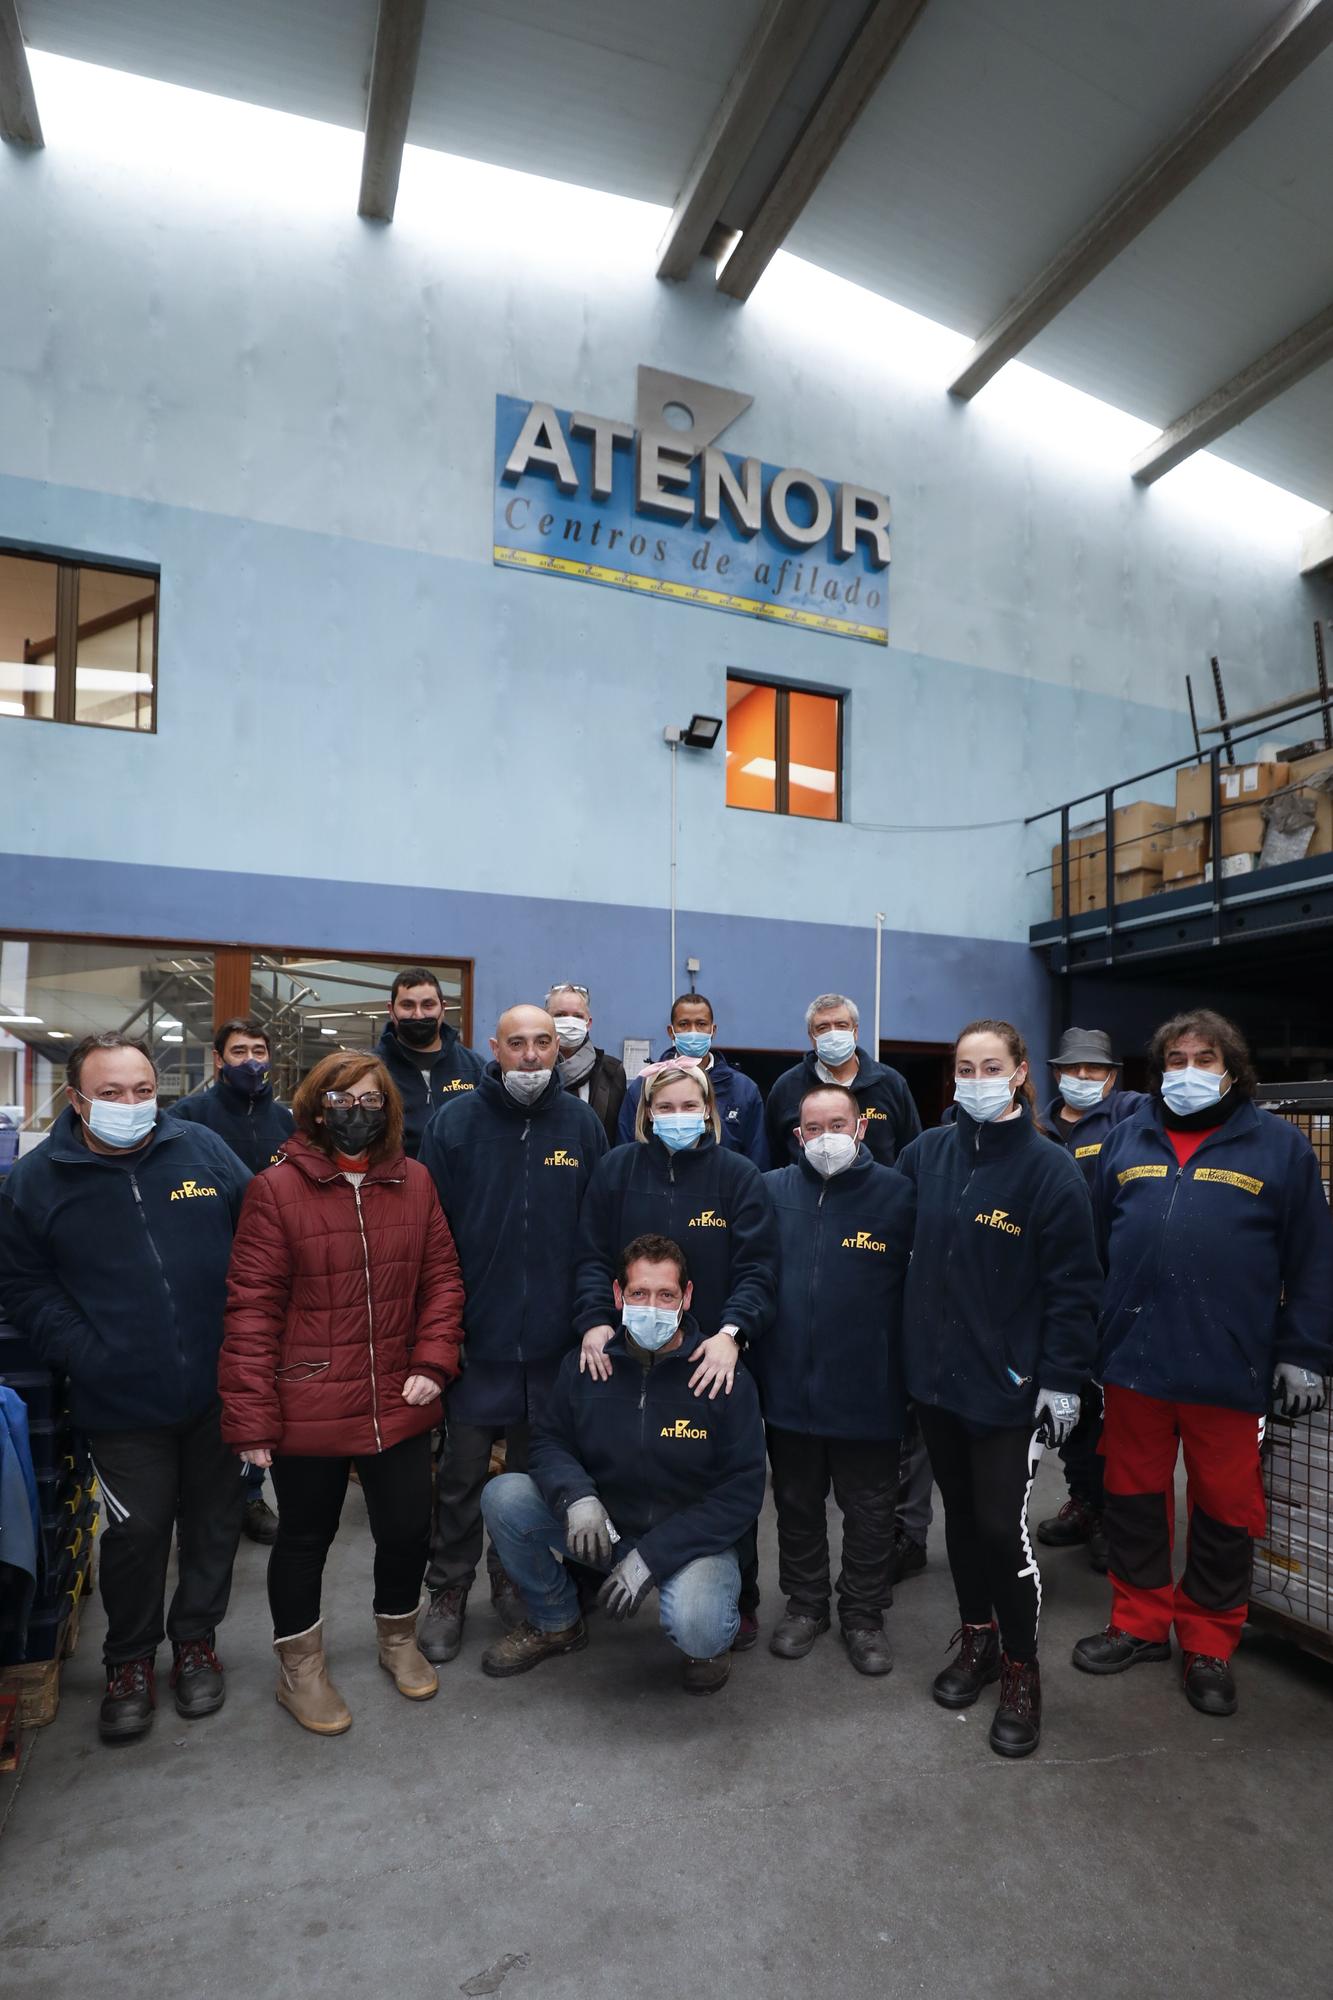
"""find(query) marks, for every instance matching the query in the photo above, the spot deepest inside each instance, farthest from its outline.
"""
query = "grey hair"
(582, 992)
(825, 1001)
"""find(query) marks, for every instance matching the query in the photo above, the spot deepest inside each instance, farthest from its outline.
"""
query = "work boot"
(1112, 1651)
(705, 1676)
(1016, 1730)
(304, 1688)
(868, 1649)
(1099, 1549)
(1075, 1524)
(400, 1655)
(260, 1523)
(506, 1603)
(747, 1633)
(129, 1701)
(795, 1633)
(908, 1558)
(1209, 1684)
(526, 1647)
(441, 1634)
(974, 1666)
(196, 1677)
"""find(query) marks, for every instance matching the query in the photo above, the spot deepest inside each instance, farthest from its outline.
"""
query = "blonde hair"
(665, 1073)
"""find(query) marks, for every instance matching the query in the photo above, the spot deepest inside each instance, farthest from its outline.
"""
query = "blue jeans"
(696, 1606)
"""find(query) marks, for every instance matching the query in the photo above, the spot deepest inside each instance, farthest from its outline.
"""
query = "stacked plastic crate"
(67, 1501)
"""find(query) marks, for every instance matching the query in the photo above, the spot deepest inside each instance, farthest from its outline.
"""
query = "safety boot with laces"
(129, 1701)
(974, 1666)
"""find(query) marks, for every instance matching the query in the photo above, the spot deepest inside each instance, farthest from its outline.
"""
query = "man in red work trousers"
(1218, 1245)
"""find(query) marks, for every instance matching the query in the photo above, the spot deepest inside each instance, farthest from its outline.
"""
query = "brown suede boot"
(400, 1655)
(304, 1688)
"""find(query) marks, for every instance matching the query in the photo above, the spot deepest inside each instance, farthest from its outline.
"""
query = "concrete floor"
(589, 1831)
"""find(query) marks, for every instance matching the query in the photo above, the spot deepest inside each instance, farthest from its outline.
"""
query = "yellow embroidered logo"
(1155, 1172)
(1227, 1179)
(706, 1219)
(999, 1219)
(868, 1111)
(456, 1083)
(560, 1158)
(1087, 1152)
(191, 1191)
(682, 1428)
(863, 1240)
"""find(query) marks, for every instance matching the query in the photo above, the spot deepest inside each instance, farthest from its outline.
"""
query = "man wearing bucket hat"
(1088, 1106)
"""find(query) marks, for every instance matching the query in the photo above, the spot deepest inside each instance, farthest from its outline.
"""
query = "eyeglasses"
(343, 1100)
(570, 986)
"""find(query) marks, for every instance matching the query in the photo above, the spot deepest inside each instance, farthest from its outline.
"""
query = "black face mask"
(250, 1078)
(352, 1128)
(417, 1034)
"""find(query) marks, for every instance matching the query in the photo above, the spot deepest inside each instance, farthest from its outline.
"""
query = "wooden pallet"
(36, 1683)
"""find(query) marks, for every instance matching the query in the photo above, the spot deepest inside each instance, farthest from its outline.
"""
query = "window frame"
(65, 639)
(782, 692)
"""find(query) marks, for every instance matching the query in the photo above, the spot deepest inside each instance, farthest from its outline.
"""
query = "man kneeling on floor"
(635, 1477)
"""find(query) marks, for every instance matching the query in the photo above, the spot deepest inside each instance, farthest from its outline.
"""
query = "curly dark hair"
(1225, 1036)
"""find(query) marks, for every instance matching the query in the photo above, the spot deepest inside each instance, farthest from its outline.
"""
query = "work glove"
(1056, 1414)
(588, 1532)
(1296, 1392)
(626, 1587)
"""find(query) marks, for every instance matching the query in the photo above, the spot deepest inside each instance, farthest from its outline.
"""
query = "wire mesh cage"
(1293, 1562)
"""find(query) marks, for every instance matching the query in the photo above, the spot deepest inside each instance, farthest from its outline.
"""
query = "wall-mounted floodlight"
(703, 732)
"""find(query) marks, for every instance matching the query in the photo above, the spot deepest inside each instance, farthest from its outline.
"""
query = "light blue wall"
(369, 738)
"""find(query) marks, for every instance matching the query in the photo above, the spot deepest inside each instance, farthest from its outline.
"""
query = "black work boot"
(974, 1666)
(526, 1647)
(795, 1633)
(441, 1633)
(129, 1701)
(908, 1558)
(196, 1678)
(868, 1648)
(1209, 1684)
(706, 1676)
(1074, 1524)
(1016, 1730)
(1112, 1651)
(506, 1603)
(261, 1523)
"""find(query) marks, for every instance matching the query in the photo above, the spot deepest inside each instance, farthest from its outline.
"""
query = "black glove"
(626, 1587)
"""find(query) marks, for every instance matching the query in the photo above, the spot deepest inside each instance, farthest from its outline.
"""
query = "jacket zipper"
(527, 1182)
(162, 1269)
(370, 1321)
(810, 1304)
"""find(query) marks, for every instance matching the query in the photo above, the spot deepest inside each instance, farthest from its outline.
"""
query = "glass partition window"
(784, 750)
(78, 642)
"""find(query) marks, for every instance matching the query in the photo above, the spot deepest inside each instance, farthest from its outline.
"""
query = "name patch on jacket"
(863, 1240)
(1228, 1179)
(560, 1158)
(456, 1083)
(707, 1218)
(1087, 1152)
(999, 1219)
(1156, 1172)
(191, 1191)
(682, 1428)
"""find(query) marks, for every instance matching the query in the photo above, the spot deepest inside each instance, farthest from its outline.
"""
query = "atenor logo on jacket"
(456, 1083)
(560, 1158)
(999, 1219)
(707, 1218)
(682, 1428)
(863, 1240)
(191, 1191)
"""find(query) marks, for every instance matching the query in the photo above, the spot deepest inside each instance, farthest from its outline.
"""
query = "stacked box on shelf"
(66, 1495)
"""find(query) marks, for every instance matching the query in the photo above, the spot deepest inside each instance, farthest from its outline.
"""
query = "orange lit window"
(784, 750)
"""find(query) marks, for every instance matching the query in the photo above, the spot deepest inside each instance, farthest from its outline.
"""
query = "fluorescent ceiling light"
(809, 776)
(30, 1020)
(330, 1031)
(58, 1035)
(173, 1038)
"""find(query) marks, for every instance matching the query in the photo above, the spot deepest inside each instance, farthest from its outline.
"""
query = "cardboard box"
(1130, 887)
(1183, 860)
(1139, 819)
(1185, 881)
(1243, 830)
(1087, 862)
(1194, 793)
(1232, 864)
(1246, 784)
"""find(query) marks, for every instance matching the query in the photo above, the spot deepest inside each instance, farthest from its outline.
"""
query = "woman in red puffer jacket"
(344, 1320)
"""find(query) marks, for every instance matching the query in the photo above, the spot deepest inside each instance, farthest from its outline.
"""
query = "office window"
(784, 750)
(78, 642)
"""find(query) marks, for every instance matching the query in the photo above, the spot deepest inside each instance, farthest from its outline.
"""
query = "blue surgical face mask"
(835, 1047)
(1079, 1093)
(650, 1327)
(984, 1097)
(121, 1125)
(1186, 1090)
(679, 1129)
(693, 1042)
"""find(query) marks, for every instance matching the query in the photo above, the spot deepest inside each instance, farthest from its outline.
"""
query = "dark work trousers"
(915, 1481)
(396, 1485)
(460, 1473)
(179, 1477)
(986, 1483)
(1081, 1458)
(864, 1477)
